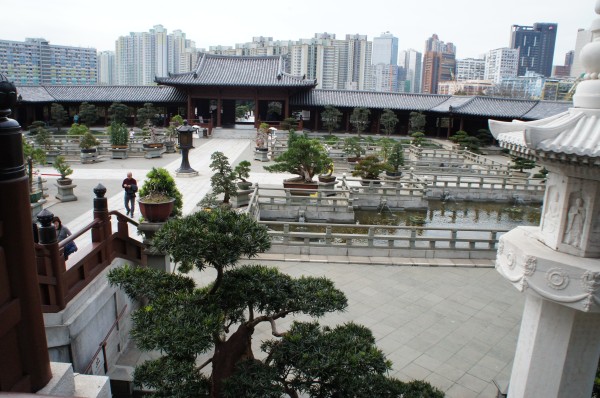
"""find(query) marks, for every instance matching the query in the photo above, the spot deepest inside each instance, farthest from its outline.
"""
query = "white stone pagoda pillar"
(557, 264)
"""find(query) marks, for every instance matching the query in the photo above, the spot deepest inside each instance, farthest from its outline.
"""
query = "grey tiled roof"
(544, 109)
(368, 99)
(221, 70)
(34, 94)
(451, 103)
(155, 94)
(495, 107)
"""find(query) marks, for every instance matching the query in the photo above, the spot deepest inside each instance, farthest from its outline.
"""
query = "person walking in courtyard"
(130, 187)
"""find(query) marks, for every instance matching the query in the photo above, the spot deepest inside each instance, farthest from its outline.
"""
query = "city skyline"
(454, 22)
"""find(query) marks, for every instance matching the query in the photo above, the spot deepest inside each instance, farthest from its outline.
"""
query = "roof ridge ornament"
(587, 94)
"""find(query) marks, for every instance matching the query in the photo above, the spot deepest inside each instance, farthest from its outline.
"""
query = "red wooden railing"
(59, 285)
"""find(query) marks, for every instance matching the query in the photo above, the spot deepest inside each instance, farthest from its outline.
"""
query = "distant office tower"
(470, 69)
(536, 47)
(439, 64)
(142, 56)
(584, 36)
(564, 70)
(385, 49)
(106, 68)
(411, 61)
(384, 60)
(501, 63)
(36, 61)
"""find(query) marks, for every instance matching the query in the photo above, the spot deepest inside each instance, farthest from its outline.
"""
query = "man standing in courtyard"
(130, 187)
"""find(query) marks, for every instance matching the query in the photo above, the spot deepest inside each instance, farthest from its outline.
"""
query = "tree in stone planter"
(119, 136)
(43, 138)
(118, 112)
(242, 171)
(395, 159)
(352, 146)
(58, 115)
(388, 120)
(417, 138)
(88, 141)
(359, 119)
(32, 156)
(369, 168)
(331, 118)
(416, 122)
(223, 180)
(88, 114)
(182, 321)
(60, 164)
(304, 156)
(158, 180)
(146, 114)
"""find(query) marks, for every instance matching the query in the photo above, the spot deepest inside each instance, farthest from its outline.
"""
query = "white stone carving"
(529, 265)
(557, 278)
(575, 221)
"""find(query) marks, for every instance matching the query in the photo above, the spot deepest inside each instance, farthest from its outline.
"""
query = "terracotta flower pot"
(156, 211)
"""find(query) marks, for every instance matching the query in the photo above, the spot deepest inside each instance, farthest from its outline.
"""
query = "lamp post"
(185, 143)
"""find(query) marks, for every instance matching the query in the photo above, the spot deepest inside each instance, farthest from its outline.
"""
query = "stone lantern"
(185, 144)
(557, 265)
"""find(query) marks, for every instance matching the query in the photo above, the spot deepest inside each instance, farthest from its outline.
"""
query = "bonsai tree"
(78, 130)
(396, 158)
(416, 122)
(58, 115)
(183, 321)
(242, 171)
(360, 119)
(159, 181)
(146, 114)
(223, 180)
(88, 141)
(485, 137)
(118, 112)
(331, 118)
(304, 156)
(464, 140)
(388, 120)
(32, 156)
(353, 147)
(417, 138)
(119, 136)
(262, 135)
(289, 123)
(60, 164)
(520, 164)
(369, 168)
(43, 138)
(385, 144)
(88, 114)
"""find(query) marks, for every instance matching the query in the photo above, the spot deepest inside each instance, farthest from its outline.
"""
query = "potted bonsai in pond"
(395, 160)
(159, 196)
(88, 144)
(63, 168)
(369, 168)
(304, 157)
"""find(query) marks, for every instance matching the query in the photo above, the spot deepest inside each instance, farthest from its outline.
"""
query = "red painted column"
(24, 359)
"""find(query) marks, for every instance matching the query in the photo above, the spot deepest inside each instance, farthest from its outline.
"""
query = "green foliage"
(146, 114)
(172, 377)
(417, 138)
(464, 140)
(88, 114)
(43, 138)
(242, 170)
(118, 112)
(241, 111)
(519, 163)
(360, 119)
(416, 122)
(332, 140)
(289, 124)
(158, 180)
(87, 140)
(485, 137)
(223, 180)
(304, 156)
(396, 158)
(385, 144)
(274, 110)
(77, 130)
(388, 120)
(118, 134)
(35, 126)
(58, 115)
(215, 239)
(352, 146)
(177, 120)
(331, 118)
(60, 164)
(370, 167)
(32, 155)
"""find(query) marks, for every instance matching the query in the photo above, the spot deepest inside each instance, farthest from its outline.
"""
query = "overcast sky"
(474, 26)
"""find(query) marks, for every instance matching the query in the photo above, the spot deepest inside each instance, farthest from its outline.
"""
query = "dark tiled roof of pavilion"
(494, 107)
(221, 70)
(155, 94)
(451, 103)
(544, 109)
(368, 99)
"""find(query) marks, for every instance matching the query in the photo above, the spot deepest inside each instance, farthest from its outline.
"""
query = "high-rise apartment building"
(470, 69)
(142, 56)
(386, 78)
(439, 64)
(385, 49)
(411, 61)
(107, 72)
(500, 64)
(536, 47)
(36, 61)
(584, 36)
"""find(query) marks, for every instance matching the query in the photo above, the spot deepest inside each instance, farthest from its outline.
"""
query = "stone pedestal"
(65, 192)
(118, 153)
(242, 198)
(150, 153)
(263, 156)
(154, 258)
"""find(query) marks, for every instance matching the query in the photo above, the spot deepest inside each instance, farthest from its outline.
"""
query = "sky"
(474, 26)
